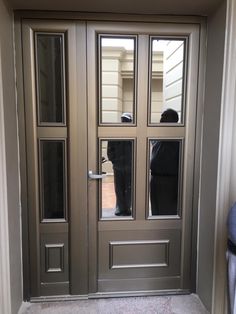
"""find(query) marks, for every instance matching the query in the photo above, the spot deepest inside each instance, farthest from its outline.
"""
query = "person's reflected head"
(126, 117)
(169, 116)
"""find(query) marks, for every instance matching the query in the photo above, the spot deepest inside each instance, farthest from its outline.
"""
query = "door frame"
(19, 16)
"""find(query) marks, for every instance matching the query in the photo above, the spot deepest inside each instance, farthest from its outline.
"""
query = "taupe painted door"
(110, 171)
(140, 211)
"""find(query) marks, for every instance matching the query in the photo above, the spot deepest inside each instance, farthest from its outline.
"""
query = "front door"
(110, 115)
(142, 84)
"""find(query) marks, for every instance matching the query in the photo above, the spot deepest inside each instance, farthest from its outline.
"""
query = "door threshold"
(100, 295)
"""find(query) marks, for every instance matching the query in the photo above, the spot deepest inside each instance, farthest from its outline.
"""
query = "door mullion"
(142, 96)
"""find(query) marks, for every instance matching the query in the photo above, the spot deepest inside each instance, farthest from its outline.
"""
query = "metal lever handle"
(95, 176)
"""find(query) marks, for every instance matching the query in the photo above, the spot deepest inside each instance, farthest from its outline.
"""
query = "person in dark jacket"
(164, 167)
(231, 256)
(120, 154)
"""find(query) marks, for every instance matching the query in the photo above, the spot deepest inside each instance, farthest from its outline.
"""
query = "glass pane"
(117, 186)
(50, 78)
(53, 194)
(117, 79)
(167, 78)
(164, 177)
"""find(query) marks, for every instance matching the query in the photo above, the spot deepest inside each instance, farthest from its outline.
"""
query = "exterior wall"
(112, 85)
(157, 100)
(157, 86)
(210, 146)
(117, 83)
(11, 151)
(127, 95)
(173, 75)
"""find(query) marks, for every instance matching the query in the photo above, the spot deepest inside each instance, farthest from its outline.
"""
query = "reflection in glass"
(53, 192)
(167, 77)
(164, 176)
(117, 78)
(117, 186)
(49, 48)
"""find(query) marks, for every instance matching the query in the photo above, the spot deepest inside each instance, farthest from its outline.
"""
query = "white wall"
(11, 146)
(173, 75)
(210, 146)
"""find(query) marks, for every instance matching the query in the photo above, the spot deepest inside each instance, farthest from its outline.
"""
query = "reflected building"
(118, 68)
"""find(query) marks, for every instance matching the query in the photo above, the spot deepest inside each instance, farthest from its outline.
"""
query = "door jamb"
(5, 289)
(226, 181)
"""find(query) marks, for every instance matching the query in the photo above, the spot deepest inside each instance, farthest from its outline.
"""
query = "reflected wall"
(167, 77)
(117, 78)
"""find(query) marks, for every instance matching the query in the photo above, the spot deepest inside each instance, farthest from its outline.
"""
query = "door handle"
(93, 176)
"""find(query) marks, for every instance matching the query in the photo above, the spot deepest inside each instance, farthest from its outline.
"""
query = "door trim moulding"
(109, 17)
(5, 290)
(226, 181)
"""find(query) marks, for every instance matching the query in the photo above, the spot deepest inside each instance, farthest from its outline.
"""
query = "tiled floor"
(109, 199)
(182, 304)
(108, 195)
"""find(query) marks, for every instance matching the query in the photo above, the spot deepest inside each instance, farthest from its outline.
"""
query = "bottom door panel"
(139, 260)
(54, 272)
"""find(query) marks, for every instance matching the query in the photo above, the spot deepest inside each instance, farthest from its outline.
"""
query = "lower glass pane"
(117, 186)
(164, 177)
(53, 196)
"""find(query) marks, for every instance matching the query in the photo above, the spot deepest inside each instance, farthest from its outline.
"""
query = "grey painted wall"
(181, 7)
(210, 143)
(9, 101)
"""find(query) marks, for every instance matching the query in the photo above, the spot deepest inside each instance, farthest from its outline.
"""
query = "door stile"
(32, 158)
(92, 157)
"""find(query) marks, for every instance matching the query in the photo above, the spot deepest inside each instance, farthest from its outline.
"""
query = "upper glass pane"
(117, 187)
(117, 78)
(50, 78)
(167, 78)
(53, 192)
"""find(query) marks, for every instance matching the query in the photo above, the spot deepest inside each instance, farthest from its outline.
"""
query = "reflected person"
(120, 154)
(164, 167)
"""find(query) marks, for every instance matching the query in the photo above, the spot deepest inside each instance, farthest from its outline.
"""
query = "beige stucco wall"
(117, 83)
(12, 161)
(173, 75)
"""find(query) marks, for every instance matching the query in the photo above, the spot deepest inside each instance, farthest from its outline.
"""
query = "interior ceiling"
(176, 7)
